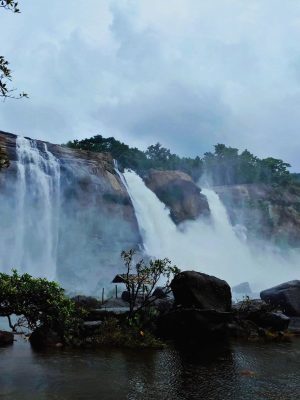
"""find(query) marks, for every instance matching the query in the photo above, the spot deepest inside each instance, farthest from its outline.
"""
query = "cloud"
(187, 73)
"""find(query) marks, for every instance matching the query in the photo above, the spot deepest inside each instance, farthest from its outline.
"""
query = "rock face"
(96, 217)
(286, 296)
(180, 194)
(268, 212)
(6, 338)
(201, 291)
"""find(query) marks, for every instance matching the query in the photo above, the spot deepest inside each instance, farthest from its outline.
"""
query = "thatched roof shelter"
(121, 278)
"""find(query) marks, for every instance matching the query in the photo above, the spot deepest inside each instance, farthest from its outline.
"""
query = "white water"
(31, 242)
(210, 245)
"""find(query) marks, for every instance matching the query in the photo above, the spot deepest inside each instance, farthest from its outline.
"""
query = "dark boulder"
(44, 337)
(162, 292)
(203, 305)
(285, 296)
(6, 338)
(204, 292)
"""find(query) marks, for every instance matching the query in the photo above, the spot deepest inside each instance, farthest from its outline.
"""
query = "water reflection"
(244, 371)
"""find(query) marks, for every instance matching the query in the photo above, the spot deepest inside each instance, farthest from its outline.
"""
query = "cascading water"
(211, 246)
(30, 242)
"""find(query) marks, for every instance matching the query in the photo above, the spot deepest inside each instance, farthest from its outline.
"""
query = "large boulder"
(202, 291)
(203, 309)
(44, 337)
(285, 296)
(6, 338)
(180, 194)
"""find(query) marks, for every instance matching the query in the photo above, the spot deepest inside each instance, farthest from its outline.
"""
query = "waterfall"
(211, 246)
(30, 245)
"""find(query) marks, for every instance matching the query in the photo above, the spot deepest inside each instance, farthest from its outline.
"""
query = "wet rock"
(202, 291)
(259, 313)
(276, 321)
(164, 305)
(43, 337)
(179, 192)
(190, 324)
(6, 338)
(162, 292)
(264, 210)
(286, 296)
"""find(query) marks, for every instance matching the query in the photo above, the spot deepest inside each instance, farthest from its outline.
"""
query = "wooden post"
(116, 291)
(102, 295)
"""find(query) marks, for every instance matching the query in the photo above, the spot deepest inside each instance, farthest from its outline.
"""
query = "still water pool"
(240, 371)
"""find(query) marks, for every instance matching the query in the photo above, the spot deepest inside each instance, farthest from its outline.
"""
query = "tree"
(142, 278)
(5, 73)
(37, 303)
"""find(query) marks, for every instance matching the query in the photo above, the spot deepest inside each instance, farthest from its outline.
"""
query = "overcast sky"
(187, 73)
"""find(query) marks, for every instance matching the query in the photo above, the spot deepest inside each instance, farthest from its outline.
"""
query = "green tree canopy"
(36, 302)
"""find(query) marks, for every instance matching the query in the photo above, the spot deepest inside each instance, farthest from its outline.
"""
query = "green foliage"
(38, 302)
(227, 167)
(143, 278)
(5, 73)
(115, 333)
(155, 156)
(224, 166)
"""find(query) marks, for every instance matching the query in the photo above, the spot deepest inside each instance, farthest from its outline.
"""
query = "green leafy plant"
(37, 302)
(141, 278)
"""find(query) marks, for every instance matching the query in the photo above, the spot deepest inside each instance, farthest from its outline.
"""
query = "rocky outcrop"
(6, 338)
(4, 161)
(96, 217)
(268, 212)
(261, 314)
(43, 337)
(198, 290)
(286, 296)
(179, 192)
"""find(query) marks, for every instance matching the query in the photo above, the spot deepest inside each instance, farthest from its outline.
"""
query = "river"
(240, 371)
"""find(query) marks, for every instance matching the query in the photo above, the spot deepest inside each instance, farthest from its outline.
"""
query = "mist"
(210, 245)
(58, 220)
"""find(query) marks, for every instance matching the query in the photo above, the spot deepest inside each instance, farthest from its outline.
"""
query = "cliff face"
(96, 216)
(180, 194)
(267, 212)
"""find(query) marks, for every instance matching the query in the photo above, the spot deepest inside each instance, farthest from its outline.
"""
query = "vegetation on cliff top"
(224, 166)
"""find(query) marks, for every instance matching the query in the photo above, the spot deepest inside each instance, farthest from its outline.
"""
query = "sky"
(185, 73)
